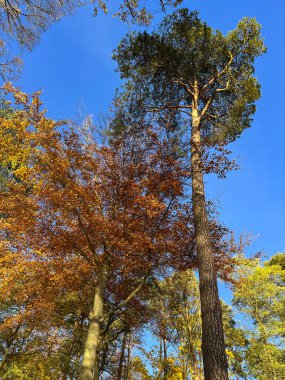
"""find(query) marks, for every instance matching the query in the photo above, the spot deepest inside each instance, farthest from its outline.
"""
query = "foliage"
(176, 327)
(162, 67)
(236, 343)
(71, 206)
(65, 201)
(260, 296)
(188, 74)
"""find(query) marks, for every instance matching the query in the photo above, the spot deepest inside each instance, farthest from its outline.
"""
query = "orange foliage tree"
(85, 227)
(83, 219)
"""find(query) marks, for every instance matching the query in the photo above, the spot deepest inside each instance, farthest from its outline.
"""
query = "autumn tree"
(79, 218)
(5, 112)
(34, 305)
(199, 75)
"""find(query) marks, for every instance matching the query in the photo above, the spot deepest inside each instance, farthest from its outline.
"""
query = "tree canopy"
(162, 68)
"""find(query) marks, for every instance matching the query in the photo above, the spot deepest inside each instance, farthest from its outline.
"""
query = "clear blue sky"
(73, 62)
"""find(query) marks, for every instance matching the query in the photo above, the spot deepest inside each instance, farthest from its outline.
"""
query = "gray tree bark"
(96, 319)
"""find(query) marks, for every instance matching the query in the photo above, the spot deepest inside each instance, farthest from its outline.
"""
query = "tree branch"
(184, 85)
(89, 241)
(219, 74)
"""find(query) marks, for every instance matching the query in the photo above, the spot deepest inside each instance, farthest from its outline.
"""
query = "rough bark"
(213, 345)
(96, 318)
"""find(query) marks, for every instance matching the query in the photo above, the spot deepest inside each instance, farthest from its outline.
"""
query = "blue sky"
(72, 64)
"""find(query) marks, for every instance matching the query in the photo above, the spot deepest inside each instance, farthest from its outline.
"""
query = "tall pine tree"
(186, 70)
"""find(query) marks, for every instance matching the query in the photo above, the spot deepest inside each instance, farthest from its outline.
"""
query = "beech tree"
(79, 219)
(199, 75)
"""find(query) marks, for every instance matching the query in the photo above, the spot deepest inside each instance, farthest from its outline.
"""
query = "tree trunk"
(96, 317)
(213, 345)
(96, 374)
(122, 357)
(104, 357)
(128, 364)
(165, 363)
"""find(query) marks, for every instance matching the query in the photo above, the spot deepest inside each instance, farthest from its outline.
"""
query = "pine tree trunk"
(92, 341)
(213, 345)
